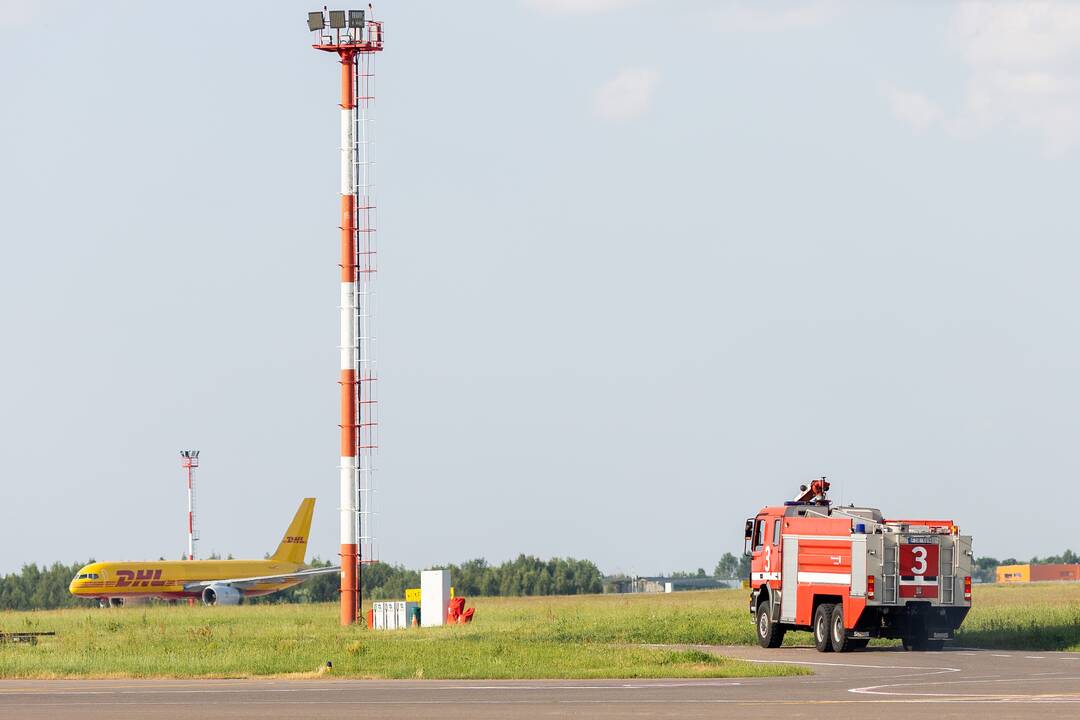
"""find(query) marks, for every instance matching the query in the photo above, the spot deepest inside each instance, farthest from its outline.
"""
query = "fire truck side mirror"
(748, 532)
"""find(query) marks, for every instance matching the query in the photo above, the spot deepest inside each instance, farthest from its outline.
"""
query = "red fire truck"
(847, 574)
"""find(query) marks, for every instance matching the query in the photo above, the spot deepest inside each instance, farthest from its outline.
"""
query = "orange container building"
(1037, 573)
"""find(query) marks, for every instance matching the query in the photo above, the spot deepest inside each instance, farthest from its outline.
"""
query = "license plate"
(860, 634)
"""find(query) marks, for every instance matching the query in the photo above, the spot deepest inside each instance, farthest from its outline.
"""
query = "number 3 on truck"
(919, 560)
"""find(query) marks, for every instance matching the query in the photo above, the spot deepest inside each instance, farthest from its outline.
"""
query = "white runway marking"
(1013, 697)
(591, 687)
(993, 699)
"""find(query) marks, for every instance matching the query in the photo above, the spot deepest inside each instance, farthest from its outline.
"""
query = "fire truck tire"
(822, 627)
(769, 634)
(838, 634)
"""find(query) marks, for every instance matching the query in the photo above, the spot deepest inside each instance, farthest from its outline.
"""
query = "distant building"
(623, 584)
(1037, 573)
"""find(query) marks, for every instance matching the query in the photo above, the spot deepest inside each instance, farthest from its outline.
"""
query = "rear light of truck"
(967, 587)
(870, 586)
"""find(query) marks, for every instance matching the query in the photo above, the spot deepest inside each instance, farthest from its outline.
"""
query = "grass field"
(545, 637)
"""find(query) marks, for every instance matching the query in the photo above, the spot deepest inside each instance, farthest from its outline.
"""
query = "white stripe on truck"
(825, 578)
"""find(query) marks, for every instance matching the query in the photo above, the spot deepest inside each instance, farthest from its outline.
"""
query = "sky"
(645, 267)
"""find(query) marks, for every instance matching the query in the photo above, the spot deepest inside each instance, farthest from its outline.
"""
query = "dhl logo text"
(297, 539)
(141, 578)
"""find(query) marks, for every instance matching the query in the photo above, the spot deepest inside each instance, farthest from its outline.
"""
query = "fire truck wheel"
(822, 618)
(838, 636)
(769, 634)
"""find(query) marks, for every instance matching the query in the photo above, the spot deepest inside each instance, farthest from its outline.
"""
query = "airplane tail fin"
(293, 546)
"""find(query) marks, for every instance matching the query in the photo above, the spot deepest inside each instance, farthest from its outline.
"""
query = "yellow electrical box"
(413, 594)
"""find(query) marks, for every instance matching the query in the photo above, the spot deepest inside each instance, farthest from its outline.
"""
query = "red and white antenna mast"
(189, 460)
(355, 37)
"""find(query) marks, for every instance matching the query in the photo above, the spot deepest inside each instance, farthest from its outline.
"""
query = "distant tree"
(45, 588)
(727, 568)
(744, 567)
(526, 575)
(321, 588)
(1066, 557)
(985, 570)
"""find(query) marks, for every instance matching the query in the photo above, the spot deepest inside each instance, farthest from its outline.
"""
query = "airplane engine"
(221, 595)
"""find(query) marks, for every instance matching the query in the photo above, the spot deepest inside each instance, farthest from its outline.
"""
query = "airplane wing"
(247, 581)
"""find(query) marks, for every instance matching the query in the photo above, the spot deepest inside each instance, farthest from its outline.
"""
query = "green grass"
(567, 637)
(1040, 616)
(598, 636)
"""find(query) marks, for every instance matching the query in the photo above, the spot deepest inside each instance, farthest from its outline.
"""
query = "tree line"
(43, 588)
(525, 575)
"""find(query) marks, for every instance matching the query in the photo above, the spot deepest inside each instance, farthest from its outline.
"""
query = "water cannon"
(814, 493)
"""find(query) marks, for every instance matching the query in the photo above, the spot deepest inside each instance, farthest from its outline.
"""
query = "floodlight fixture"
(337, 19)
(356, 19)
(315, 21)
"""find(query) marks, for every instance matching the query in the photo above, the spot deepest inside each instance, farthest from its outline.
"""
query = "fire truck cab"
(847, 574)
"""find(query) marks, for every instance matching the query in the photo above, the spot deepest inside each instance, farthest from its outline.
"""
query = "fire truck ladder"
(946, 581)
(890, 571)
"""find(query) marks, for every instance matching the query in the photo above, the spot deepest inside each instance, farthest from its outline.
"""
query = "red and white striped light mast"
(189, 460)
(355, 38)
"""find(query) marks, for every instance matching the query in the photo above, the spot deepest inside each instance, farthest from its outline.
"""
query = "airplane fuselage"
(167, 579)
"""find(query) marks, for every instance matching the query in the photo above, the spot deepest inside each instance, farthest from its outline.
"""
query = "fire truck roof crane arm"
(814, 493)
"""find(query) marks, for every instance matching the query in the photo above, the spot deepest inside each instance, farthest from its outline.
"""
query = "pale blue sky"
(645, 268)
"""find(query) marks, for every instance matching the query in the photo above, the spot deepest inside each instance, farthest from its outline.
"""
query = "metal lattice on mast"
(367, 405)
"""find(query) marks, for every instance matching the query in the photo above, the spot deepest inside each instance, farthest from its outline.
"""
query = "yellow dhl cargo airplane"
(217, 582)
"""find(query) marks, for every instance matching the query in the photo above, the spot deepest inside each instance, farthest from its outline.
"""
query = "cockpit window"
(87, 576)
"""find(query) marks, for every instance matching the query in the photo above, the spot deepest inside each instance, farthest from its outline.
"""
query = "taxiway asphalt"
(956, 683)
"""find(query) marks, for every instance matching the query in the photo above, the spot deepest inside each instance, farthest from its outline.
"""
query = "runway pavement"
(951, 684)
